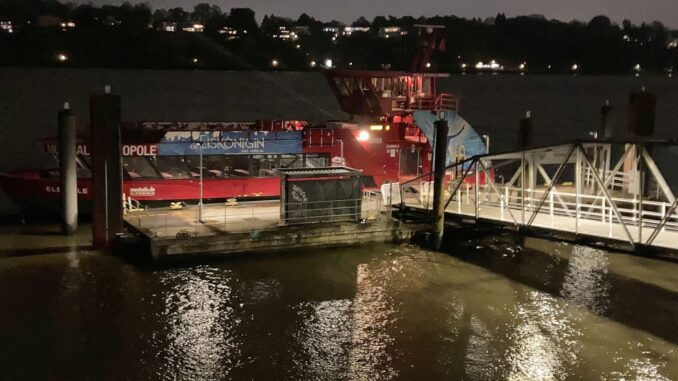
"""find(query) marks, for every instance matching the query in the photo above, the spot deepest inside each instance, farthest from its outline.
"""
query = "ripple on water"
(585, 282)
(197, 337)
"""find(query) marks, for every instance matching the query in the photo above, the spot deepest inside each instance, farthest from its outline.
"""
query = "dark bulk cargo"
(320, 195)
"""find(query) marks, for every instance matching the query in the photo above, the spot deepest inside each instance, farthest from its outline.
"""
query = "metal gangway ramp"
(603, 190)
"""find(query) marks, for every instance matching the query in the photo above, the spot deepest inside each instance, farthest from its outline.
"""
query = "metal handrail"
(165, 223)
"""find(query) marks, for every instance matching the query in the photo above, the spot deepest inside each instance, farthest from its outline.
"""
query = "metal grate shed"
(312, 195)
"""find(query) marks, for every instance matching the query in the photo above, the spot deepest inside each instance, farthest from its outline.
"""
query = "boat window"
(291, 161)
(138, 167)
(237, 166)
(172, 167)
(213, 165)
(317, 160)
(83, 166)
(426, 86)
(263, 165)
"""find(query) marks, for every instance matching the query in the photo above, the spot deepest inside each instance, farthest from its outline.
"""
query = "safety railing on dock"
(212, 219)
(629, 201)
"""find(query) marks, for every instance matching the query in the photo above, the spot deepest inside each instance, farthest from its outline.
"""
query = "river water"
(485, 309)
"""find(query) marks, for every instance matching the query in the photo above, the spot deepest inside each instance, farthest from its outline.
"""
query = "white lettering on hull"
(57, 189)
(142, 191)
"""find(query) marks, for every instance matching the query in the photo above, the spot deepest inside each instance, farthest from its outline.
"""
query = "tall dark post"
(525, 132)
(68, 184)
(106, 168)
(439, 164)
(605, 131)
(642, 107)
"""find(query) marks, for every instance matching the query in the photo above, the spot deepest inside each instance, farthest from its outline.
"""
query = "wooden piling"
(439, 164)
(106, 169)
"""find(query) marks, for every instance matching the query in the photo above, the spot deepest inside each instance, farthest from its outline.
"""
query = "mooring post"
(440, 159)
(605, 130)
(68, 179)
(106, 168)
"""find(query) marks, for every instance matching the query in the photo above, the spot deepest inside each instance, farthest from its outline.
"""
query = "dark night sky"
(346, 11)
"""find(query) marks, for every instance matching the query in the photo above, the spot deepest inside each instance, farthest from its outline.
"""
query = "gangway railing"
(129, 204)
(598, 199)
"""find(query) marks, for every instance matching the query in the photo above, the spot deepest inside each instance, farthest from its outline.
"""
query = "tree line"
(51, 33)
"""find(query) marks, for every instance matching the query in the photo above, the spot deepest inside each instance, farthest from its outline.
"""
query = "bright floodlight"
(428, 65)
(62, 57)
(312, 63)
(274, 63)
(363, 135)
(328, 63)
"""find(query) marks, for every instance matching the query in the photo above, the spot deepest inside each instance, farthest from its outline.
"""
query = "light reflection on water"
(490, 310)
(585, 282)
(199, 337)
(544, 341)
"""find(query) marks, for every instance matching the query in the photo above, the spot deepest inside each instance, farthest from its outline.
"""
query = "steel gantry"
(610, 190)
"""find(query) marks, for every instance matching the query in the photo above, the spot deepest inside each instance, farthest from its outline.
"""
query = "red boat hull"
(30, 188)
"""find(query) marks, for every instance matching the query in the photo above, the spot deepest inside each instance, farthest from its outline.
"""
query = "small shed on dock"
(312, 195)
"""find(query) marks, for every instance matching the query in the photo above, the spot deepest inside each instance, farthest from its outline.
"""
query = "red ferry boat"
(388, 137)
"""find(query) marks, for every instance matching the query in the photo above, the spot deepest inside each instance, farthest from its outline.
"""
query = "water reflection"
(585, 282)
(483, 357)
(201, 323)
(544, 341)
(640, 369)
(493, 310)
(371, 315)
(325, 337)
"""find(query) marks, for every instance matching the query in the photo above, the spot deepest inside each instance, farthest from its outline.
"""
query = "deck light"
(328, 63)
(312, 64)
(195, 60)
(428, 65)
(274, 63)
(363, 135)
(62, 57)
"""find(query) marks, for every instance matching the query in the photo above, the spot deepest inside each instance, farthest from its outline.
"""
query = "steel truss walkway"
(612, 191)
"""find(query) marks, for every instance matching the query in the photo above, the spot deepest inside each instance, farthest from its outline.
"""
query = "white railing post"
(663, 215)
(459, 197)
(506, 196)
(602, 211)
(641, 188)
(501, 205)
(551, 206)
(522, 188)
(609, 218)
(477, 190)
(577, 190)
